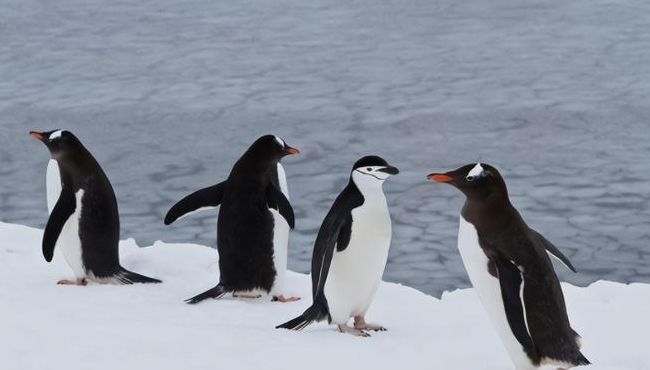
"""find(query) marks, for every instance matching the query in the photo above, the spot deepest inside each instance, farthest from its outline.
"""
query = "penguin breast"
(356, 271)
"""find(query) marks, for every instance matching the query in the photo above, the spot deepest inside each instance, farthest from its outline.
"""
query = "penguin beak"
(291, 150)
(37, 135)
(389, 170)
(440, 177)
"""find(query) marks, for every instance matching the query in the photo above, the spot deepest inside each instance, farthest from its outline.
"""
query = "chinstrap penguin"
(84, 222)
(509, 266)
(253, 222)
(350, 251)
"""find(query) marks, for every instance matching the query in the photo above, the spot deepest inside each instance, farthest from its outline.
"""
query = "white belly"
(53, 184)
(280, 251)
(69, 242)
(280, 239)
(489, 292)
(355, 273)
(68, 245)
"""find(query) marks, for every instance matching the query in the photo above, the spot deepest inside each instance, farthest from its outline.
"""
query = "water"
(167, 95)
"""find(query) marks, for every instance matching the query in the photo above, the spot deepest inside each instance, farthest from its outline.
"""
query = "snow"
(44, 325)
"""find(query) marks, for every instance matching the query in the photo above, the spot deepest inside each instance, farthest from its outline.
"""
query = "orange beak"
(292, 151)
(440, 177)
(36, 135)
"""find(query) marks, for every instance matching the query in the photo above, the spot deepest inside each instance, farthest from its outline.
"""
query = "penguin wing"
(61, 212)
(334, 233)
(513, 294)
(208, 197)
(552, 249)
(277, 200)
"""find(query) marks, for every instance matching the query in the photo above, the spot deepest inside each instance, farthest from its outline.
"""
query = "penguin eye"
(470, 178)
(369, 169)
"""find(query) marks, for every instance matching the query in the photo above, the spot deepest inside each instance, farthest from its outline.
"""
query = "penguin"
(253, 223)
(351, 251)
(509, 266)
(83, 216)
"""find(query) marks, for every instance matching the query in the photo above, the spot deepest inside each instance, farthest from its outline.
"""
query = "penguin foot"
(81, 281)
(372, 327)
(247, 295)
(353, 331)
(283, 299)
(361, 324)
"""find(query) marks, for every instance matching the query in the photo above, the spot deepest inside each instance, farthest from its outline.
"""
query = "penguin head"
(372, 171)
(476, 181)
(271, 147)
(60, 143)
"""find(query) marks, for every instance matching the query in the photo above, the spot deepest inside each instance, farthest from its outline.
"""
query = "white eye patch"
(280, 141)
(55, 134)
(476, 171)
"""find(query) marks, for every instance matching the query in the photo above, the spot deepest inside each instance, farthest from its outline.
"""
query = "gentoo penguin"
(84, 222)
(350, 252)
(509, 267)
(255, 214)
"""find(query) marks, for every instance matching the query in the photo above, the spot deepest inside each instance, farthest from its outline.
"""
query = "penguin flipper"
(61, 212)
(334, 234)
(512, 293)
(216, 292)
(208, 197)
(277, 200)
(552, 250)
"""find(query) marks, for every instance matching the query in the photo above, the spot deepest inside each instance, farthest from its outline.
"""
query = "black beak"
(37, 135)
(389, 170)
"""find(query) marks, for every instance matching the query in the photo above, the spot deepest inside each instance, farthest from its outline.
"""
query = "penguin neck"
(368, 185)
(78, 163)
(488, 214)
(247, 170)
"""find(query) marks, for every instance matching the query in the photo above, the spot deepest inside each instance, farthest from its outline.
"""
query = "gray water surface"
(168, 94)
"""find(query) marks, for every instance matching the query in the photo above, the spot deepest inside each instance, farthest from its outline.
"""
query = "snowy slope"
(43, 325)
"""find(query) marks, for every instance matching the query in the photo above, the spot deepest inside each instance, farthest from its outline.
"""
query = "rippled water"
(167, 95)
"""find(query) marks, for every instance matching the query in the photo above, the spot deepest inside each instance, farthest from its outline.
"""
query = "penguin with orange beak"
(84, 222)
(509, 266)
(253, 223)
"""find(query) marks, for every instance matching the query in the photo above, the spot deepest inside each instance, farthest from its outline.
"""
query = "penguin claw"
(374, 327)
(80, 282)
(283, 299)
(353, 331)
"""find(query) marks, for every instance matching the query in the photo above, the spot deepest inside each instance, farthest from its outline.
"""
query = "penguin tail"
(317, 312)
(124, 276)
(581, 360)
(216, 293)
